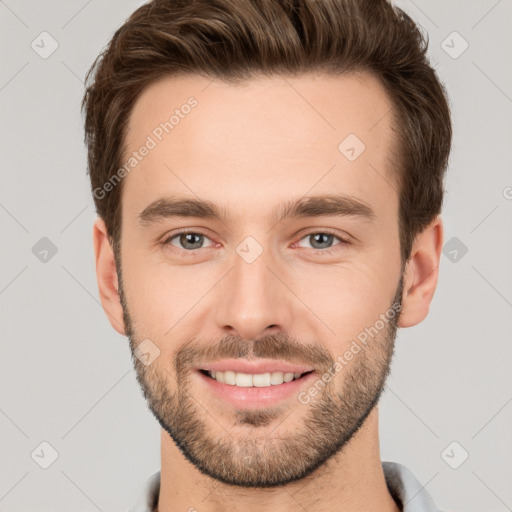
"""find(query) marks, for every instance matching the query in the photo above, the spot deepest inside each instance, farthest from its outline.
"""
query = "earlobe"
(106, 276)
(421, 274)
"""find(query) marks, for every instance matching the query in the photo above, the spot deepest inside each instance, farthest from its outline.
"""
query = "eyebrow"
(309, 206)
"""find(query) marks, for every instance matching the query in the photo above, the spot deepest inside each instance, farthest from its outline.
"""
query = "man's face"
(248, 287)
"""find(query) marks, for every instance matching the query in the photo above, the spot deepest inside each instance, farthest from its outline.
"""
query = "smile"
(247, 380)
(249, 390)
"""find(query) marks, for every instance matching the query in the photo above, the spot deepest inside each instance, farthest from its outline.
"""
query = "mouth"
(246, 390)
(247, 380)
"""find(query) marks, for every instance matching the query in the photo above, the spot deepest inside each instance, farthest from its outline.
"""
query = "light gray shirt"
(410, 495)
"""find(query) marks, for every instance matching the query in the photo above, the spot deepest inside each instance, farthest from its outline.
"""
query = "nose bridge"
(252, 299)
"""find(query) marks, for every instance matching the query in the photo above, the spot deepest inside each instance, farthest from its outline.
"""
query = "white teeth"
(260, 380)
(229, 377)
(243, 380)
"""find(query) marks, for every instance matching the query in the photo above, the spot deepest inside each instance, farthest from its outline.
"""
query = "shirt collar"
(410, 495)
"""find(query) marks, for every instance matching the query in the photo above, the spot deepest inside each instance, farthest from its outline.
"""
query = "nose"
(252, 301)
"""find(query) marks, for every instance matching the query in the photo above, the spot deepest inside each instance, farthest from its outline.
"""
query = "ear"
(421, 274)
(106, 276)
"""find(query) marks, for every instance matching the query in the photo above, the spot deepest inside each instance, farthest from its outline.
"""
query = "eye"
(322, 241)
(187, 240)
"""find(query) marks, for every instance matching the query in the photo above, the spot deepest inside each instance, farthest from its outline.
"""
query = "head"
(270, 128)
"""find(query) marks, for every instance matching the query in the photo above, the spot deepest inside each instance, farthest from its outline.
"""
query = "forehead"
(261, 141)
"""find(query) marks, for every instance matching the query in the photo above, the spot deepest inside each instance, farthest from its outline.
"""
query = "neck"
(352, 480)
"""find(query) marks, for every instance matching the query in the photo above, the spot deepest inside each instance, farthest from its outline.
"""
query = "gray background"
(66, 375)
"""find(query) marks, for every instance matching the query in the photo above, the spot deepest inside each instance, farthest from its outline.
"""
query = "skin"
(249, 147)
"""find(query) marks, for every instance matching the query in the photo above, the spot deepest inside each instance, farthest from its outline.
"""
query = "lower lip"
(254, 396)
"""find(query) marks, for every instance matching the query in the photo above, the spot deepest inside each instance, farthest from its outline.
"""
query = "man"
(268, 176)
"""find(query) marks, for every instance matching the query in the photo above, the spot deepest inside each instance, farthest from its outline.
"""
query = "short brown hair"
(233, 40)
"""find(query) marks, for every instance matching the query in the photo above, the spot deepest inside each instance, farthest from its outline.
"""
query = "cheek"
(167, 302)
(155, 300)
(347, 299)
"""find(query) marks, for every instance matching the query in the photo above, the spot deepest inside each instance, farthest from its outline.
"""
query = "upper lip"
(254, 367)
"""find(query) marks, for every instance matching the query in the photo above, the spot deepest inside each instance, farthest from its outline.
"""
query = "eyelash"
(330, 250)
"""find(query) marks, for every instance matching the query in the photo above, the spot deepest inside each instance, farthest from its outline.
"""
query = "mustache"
(277, 346)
